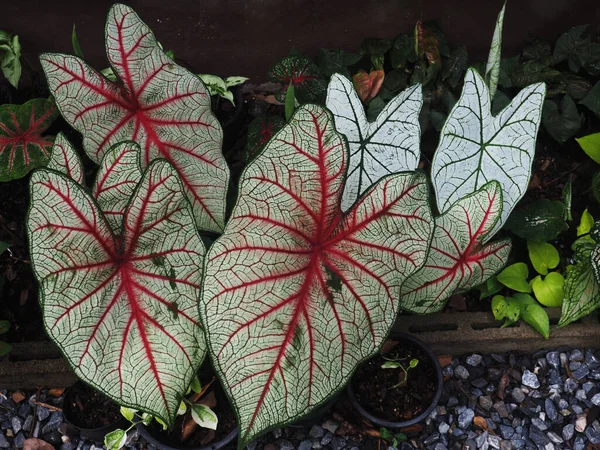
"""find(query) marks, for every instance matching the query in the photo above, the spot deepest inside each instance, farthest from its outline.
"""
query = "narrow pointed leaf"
(22, 144)
(116, 180)
(298, 294)
(476, 147)
(458, 260)
(492, 69)
(388, 145)
(305, 76)
(163, 107)
(582, 292)
(122, 309)
(65, 159)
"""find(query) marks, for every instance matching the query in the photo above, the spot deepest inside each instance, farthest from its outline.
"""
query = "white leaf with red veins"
(476, 147)
(458, 260)
(65, 159)
(298, 294)
(122, 309)
(117, 178)
(390, 144)
(160, 105)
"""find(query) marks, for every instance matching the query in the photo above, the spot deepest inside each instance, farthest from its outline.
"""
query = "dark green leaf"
(501, 101)
(562, 123)
(336, 61)
(260, 131)
(403, 51)
(540, 221)
(375, 107)
(438, 119)
(536, 48)
(567, 194)
(507, 67)
(576, 87)
(309, 84)
(455, 66)
(4, 326)
(568, 42)
(395, 81)
(491, 287)
(592, 99)
(596, 186)
(588, 57)
(3, 246)
(376, 50)
(75, 43)
(534, 71)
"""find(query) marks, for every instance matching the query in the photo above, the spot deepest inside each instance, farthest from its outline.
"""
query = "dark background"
(247, 37)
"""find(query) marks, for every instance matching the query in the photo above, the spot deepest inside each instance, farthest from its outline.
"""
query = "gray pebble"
(517, 443)
(485, 402)
(554, 437)
(331, 425)
(466, 418)
(474, 360)
(443, 428)
(518, 395)
(596, 400)
(327, 438)
(305, 445)
(500, 408)
(530, 379)
(568, 431)
(588, 386)
(481, 440)
(27, 424)
(42, 413)
(55, 420)
(506, 432)
(581, 373)
(434, 437)
(592, 435)
(286, 445)
(494, 441)
(3, 442)
(506, 445)
(17, 424)
(574, 365)
(579, 443)
(461, 372)
(570, 385)
(576, 355)
(19, 440)
(553, 359)
(539, 424)
(469, 444)
(316, 431)
(479, 383)
(550, 409)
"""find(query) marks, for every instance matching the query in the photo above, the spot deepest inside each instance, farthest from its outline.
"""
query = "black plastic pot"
(94, 434)
(155, 439)
(438, 393)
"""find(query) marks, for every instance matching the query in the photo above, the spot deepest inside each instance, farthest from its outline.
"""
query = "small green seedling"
(391, 437)
(219, 86)
(398, 363)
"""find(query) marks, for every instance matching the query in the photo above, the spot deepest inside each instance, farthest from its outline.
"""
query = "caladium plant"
(23, 145)
(303, 74)
(296, 293)
(458, 260)
(476, 147)
(160, 105)
(120, 273)
(388, 145)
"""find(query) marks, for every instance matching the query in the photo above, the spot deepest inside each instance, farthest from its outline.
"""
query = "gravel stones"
(530, 379)
(466, 418)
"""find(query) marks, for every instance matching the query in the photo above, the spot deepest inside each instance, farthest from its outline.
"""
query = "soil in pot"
(87, 408)
(389, 395)
(200, 437)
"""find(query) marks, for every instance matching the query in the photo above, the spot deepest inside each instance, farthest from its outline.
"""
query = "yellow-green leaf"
(549, 290)
(586, 223)
(515, 277)
(591, 146)
(543, 256)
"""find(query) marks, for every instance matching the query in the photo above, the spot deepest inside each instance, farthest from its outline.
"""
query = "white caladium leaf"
(123, 309)
(476, 147)
(204, 416)
(64, 158)
(116, 180)
(390, 144)
(458, 260)
(492, 69)
(582, 291)
(160, 105)
(296, 293)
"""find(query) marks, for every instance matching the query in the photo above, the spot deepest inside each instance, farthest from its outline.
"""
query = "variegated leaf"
(388, 145)
(296, 293)
(160, 105)
(582, 291)
(476, 147)
(492, 69)
(122, 309)
(458, 260)
(64, 158)
(303, 74)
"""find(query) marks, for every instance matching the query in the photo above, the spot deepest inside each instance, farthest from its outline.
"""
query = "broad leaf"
(586, 223)
(492, 69)
(163, 107)
(490, 287)
(388, 145)
(562, 122)
(4, 326)
(123, 309)
(582, 292)
(260, 131)
(367, 85)
(549, 290)
(309, 84)
(458, 260)
(592, 99)
(22, 144)
(4, 246)
(537, 317)
(540, 221)
(568, 42)
(515, 277)
(476, 147)
(543, 256)
(64, 158)
(336, 61)
(297, 294)
(591, 145)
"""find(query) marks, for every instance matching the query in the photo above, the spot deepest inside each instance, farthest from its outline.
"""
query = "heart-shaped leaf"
(540, 221)
(388, 145)
(22, 146)
(543, 256)
(163, 107)
(367, 85)
(515, 277)
(537, 317)
(476, 147)
(458, 260)
(305, 76)
(123, 309)
(297, 294)
(591, 145)
(64, 158)
(549, 290)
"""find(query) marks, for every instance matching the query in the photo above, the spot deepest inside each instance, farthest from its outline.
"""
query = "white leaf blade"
(492, 69)
(205, 417)
(65, 159)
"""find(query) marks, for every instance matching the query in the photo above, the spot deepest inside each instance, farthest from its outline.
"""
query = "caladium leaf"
(260, 131)
(123, 309)
(492, 69)
(582, 291)
(389, 144)
(296, 293)
(458, 260)
(367, 85)
(305, 76)
(476, 147)
(64, 158)
(22, 146)
(163, 107)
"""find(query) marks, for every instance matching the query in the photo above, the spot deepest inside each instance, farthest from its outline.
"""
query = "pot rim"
(394, 336)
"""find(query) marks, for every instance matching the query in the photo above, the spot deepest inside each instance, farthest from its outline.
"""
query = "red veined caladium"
(22, 146)
(163, 107)
(296, 293)
(458, 260)
(476, 147)
(121, 305)
(303, 74)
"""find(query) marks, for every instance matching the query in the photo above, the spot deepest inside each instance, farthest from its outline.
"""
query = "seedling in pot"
(398, 362)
